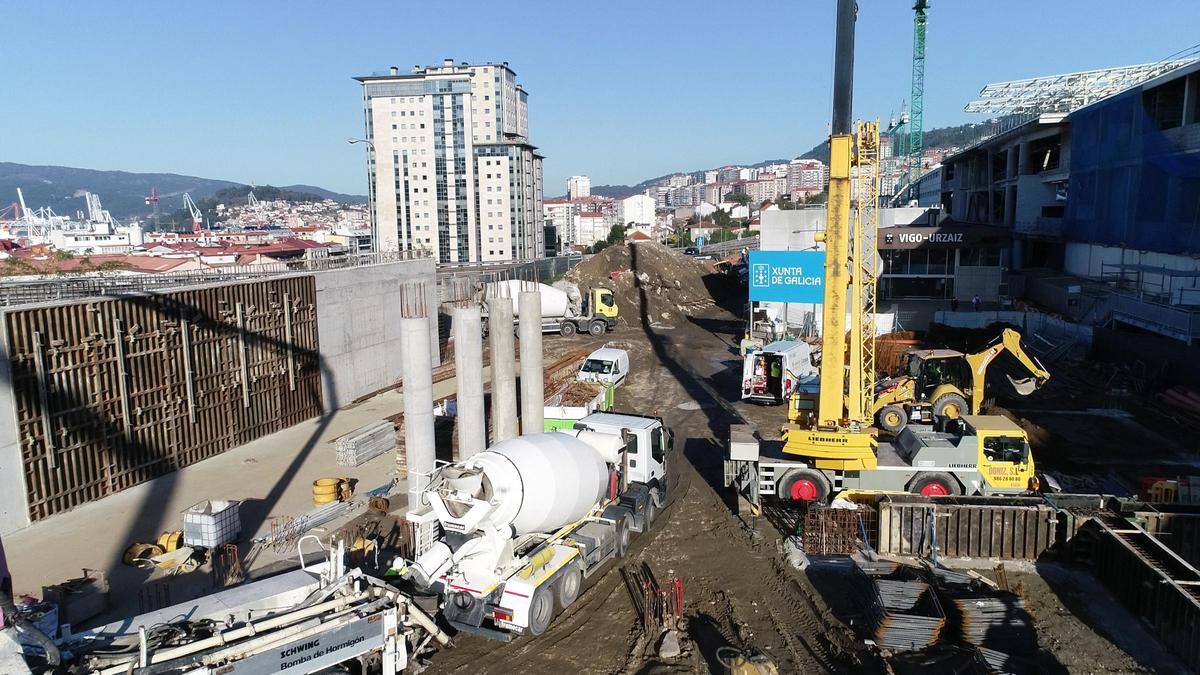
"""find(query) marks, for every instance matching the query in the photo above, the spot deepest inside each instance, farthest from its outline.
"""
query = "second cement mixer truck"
(526, 521)
(564, 309)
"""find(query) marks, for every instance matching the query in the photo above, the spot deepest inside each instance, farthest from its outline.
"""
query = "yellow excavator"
(945, 384)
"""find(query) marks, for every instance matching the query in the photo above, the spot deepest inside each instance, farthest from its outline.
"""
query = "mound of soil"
(672, 284)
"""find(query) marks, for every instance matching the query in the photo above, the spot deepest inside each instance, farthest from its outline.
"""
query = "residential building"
(806, 174)
(450, 164)
(728, 174)
(579, 186)
(711, 176)
(638, 209)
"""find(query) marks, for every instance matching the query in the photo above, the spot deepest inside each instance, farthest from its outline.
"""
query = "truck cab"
(601, 303)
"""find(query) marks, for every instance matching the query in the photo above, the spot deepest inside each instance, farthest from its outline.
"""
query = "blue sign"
(787, 276)
(700, 241)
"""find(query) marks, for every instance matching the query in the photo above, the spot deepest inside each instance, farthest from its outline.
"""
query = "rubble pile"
(673, 284)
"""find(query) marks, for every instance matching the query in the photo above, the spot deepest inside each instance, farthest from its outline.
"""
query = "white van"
(606, 365)
(771, 374)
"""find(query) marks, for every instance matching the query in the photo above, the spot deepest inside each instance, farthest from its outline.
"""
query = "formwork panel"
(110, 393)
(986, 528)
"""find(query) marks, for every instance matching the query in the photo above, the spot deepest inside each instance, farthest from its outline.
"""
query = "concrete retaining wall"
(358, 321)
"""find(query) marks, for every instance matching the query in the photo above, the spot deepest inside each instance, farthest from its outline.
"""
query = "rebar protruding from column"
(504, 374)
(417, 371)
(533, 396)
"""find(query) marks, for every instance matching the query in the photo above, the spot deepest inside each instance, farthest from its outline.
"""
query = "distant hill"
(958, 136)
(121, 192)
(238, 195)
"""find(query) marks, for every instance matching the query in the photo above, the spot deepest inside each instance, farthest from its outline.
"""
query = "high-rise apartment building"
(579, 186)
(450, 165)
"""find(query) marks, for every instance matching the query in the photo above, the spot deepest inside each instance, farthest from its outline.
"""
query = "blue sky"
(622, 91)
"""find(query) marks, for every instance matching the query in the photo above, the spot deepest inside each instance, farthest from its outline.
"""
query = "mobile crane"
(828, 444)
(945, 384)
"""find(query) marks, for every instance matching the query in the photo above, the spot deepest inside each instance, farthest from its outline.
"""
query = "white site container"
(211, 523)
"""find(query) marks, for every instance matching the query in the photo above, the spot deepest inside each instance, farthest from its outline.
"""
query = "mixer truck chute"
(565, 309)
(526, 521)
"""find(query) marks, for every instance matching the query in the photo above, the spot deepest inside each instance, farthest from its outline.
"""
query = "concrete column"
(504, 373)
(417, 368)
(533, 395)
(468, 373)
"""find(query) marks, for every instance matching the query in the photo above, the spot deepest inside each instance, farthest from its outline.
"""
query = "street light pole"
(370, 191)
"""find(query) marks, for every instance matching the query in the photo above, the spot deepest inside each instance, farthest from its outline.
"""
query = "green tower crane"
(916, 124)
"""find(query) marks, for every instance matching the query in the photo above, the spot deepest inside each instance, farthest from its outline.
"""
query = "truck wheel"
(950, 406)
(623, 527)
(568, 586)
(935, 484)
(566, 329)
(597, 328)
(893, 418)
(803, 485)
(541, 611)
(649, 514)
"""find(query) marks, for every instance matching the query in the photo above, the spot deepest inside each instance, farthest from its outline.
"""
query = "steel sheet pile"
(366, 443)
(902, 610)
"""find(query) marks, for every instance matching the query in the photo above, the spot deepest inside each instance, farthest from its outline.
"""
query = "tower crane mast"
(916, 126)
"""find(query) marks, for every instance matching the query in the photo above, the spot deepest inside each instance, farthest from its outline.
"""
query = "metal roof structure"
(1067, 92)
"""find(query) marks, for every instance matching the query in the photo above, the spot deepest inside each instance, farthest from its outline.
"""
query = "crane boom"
(840, 436)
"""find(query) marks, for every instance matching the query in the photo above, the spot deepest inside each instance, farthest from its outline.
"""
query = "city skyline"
(266, 97)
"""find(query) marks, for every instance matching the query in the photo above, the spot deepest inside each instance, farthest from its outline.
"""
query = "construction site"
(742, 459)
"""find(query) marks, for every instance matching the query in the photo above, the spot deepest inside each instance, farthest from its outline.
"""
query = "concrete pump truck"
(829, 443)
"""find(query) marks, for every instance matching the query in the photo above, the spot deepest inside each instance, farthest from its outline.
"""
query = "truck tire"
(566, 329)
(892, 418)
(934, 484)
(623, 527)
(650, 514)
(597, 328)
(541, 610)
(567, 588)
(803, 485)
(950, 406)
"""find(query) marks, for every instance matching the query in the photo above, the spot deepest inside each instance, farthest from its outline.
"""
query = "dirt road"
(738, 589)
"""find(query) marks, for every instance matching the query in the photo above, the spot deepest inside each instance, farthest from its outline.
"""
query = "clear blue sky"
(622, 91)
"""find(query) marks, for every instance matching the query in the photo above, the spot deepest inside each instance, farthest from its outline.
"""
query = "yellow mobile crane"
(829, 444)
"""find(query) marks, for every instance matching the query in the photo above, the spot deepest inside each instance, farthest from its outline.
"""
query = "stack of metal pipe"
(366, 443)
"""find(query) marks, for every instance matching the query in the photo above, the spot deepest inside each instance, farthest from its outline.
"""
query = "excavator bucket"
(1025, 386)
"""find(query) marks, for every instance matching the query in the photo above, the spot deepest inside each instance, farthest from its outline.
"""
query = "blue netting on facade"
(1131, 185)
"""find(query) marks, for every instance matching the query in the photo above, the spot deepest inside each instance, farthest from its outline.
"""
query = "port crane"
(152, 201)
(197, 215)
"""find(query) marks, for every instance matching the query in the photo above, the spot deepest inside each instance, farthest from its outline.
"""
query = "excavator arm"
(1010, 341)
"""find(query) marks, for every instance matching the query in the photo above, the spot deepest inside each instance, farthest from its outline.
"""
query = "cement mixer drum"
(541, 482)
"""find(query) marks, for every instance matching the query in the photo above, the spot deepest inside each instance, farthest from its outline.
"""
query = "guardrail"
(102, 284)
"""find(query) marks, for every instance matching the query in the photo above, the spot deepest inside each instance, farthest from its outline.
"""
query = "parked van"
(771, 374)
(606, 365)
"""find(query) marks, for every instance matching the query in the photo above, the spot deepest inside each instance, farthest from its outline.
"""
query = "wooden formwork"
(968, 527)
(112, 392)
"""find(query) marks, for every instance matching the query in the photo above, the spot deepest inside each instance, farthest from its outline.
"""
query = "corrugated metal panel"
(985, 530)
(1178, 531)
(111, 393)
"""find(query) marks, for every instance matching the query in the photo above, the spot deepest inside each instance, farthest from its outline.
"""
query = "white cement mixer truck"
(564, 309)
(526, 521)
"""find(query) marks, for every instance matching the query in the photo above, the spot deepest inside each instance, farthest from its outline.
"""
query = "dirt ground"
(738, 589)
